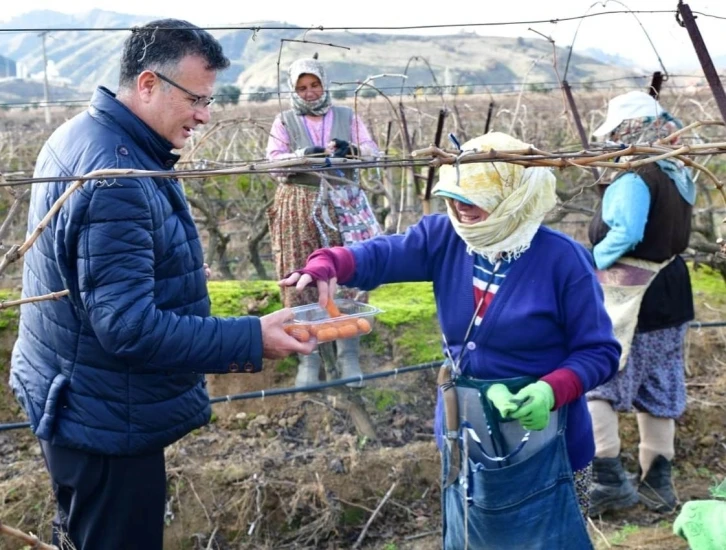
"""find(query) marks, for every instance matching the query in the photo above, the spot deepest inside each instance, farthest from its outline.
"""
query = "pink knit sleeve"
(326, 263)
(278, 144)
(566, 386)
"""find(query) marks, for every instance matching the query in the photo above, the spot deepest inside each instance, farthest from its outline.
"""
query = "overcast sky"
(617, 34)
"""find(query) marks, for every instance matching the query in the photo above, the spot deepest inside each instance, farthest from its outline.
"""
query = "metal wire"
(285, 391)
(339, 382)
(257, 28)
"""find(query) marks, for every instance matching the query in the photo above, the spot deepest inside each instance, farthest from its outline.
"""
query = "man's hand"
(276, 343)
(207, 271)
(536, 402)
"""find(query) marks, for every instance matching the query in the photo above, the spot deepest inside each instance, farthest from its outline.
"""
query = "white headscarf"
(516, 198)
(301, 107)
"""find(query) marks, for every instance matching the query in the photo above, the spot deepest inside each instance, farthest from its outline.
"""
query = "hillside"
(24, 91)
(465, 59)
(88, 58)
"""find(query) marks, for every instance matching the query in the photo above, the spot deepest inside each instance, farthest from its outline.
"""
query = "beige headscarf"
(314, 67)
(516, 198)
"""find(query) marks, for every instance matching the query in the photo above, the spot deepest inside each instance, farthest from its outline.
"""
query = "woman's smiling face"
(309, 87)
(469, 214)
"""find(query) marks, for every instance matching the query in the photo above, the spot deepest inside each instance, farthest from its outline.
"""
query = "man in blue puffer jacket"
(112, 374)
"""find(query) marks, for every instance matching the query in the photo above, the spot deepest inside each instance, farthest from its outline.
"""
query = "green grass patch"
(622, 535)
(288, 365)
(352, 515)
(404, 303)
(708, 283)
(374, 342)
(383, 398)
(409, 311)
(232, 298)
(9, 316)
(419, 342)
(401, 302)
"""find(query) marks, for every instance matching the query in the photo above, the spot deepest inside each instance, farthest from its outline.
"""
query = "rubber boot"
(348, 360)
(308, 370)
(656, 488)
(611, 489)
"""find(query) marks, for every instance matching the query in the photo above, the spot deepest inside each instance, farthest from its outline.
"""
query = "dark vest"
(300, 138)
(668, 302)
(669, 219)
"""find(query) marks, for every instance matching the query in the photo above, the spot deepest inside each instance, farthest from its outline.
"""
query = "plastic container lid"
(312, 320)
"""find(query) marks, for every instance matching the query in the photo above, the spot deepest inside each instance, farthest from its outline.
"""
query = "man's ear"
(145, 84)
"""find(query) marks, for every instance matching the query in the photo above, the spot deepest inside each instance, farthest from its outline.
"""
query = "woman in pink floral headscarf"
(311, 211)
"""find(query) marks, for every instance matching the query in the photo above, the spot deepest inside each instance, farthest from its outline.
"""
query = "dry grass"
(290, 472)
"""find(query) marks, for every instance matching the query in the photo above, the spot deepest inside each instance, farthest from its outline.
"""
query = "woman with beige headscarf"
(524, 325)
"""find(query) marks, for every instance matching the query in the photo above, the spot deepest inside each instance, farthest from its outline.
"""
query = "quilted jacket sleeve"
(116, 273)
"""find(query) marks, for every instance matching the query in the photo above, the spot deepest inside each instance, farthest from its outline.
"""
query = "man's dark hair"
(162, 44)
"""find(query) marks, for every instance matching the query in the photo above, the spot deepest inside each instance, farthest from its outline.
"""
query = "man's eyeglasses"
(197, 101)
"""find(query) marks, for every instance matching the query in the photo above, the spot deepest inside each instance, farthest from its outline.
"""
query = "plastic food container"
(311, 320)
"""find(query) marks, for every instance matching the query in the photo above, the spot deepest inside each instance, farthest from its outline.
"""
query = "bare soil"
(293, 472)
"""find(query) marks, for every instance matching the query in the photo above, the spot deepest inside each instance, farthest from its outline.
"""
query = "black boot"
(656, 490)
(611, 489)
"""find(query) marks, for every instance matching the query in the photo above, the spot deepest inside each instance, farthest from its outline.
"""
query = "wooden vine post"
(426, 203)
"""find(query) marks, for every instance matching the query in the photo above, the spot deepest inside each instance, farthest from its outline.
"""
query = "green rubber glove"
(501, 398)
(703, 524)
(537, 401)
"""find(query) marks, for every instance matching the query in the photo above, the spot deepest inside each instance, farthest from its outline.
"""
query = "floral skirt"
(583, 484)
(296, 220)
(653, 379)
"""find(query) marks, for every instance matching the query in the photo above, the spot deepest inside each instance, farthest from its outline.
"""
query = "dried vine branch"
(31, 540)
(433, 156)
(51, 296)
(373, 515)
(584, 159)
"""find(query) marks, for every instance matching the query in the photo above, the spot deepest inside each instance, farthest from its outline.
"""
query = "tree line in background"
(229, 94)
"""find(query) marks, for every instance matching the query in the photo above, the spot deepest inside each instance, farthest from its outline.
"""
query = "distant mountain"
(465, 59)
(608, 58)
(85, 59)
(25, 91)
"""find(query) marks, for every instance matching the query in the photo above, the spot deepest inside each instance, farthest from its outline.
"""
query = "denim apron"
(515, 489)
